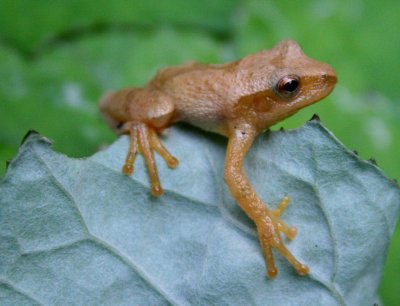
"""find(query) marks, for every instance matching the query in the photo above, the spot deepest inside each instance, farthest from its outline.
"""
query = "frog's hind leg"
(144, 138)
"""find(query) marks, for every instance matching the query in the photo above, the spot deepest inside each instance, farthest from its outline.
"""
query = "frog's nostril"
(331, 78)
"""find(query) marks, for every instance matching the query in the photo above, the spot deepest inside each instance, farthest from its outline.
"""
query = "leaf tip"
(8, 162)
(315, 117)
(29, 134)
(34, 135)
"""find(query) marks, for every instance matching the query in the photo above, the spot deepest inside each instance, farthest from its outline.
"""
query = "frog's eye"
(288, 86)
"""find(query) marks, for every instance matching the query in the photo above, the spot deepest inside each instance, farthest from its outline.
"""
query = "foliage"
(77, 231)
(57, 59)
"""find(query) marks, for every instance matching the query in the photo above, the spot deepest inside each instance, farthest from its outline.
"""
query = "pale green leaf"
(79, 232)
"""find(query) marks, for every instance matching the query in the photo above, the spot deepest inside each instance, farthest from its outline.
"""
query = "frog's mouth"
(323, 86)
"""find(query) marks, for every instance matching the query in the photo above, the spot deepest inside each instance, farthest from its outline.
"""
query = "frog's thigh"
(160, 116)
(160, 113)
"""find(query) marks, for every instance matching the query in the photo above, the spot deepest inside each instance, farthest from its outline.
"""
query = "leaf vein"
(62, 189)
(134, 267)
(14, 287)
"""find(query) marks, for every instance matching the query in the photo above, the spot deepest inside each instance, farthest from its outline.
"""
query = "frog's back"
(187, 70)
(200, 92)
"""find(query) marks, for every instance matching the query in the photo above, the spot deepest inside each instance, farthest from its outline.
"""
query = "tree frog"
(239, 100)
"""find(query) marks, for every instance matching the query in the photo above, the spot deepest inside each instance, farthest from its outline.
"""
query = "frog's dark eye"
(288, 86)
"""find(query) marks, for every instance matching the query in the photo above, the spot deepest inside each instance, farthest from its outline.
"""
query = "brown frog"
(239, 100)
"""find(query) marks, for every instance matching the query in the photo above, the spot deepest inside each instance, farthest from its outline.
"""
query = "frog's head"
(287, 81)
(297, 79)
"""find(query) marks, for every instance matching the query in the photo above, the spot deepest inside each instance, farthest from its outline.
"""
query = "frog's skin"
(239, 100)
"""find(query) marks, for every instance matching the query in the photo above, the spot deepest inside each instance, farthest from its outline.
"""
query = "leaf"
(49, 21)
(78, 232)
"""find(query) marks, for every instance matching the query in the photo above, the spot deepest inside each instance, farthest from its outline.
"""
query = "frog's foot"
(291, 231)
(269, 227)
(145, 139)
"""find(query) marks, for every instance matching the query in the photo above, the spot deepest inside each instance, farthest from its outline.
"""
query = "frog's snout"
(329, 79)
(329, 76)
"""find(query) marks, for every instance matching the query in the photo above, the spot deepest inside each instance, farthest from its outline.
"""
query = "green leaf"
(65, 86)
(50, 21)
(79, 232)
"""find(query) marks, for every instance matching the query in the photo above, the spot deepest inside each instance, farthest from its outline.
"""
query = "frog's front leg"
(268, 222)
(144, 139)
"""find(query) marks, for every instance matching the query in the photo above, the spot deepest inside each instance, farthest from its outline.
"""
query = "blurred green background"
(58, 57)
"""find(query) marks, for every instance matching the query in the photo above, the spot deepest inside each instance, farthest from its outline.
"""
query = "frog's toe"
(289, 231)
(281, 206)
(172, 162)
(140, 137)
(156, 144)
(128, 167)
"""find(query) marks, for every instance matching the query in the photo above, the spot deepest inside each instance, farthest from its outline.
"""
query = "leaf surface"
(77, 231)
